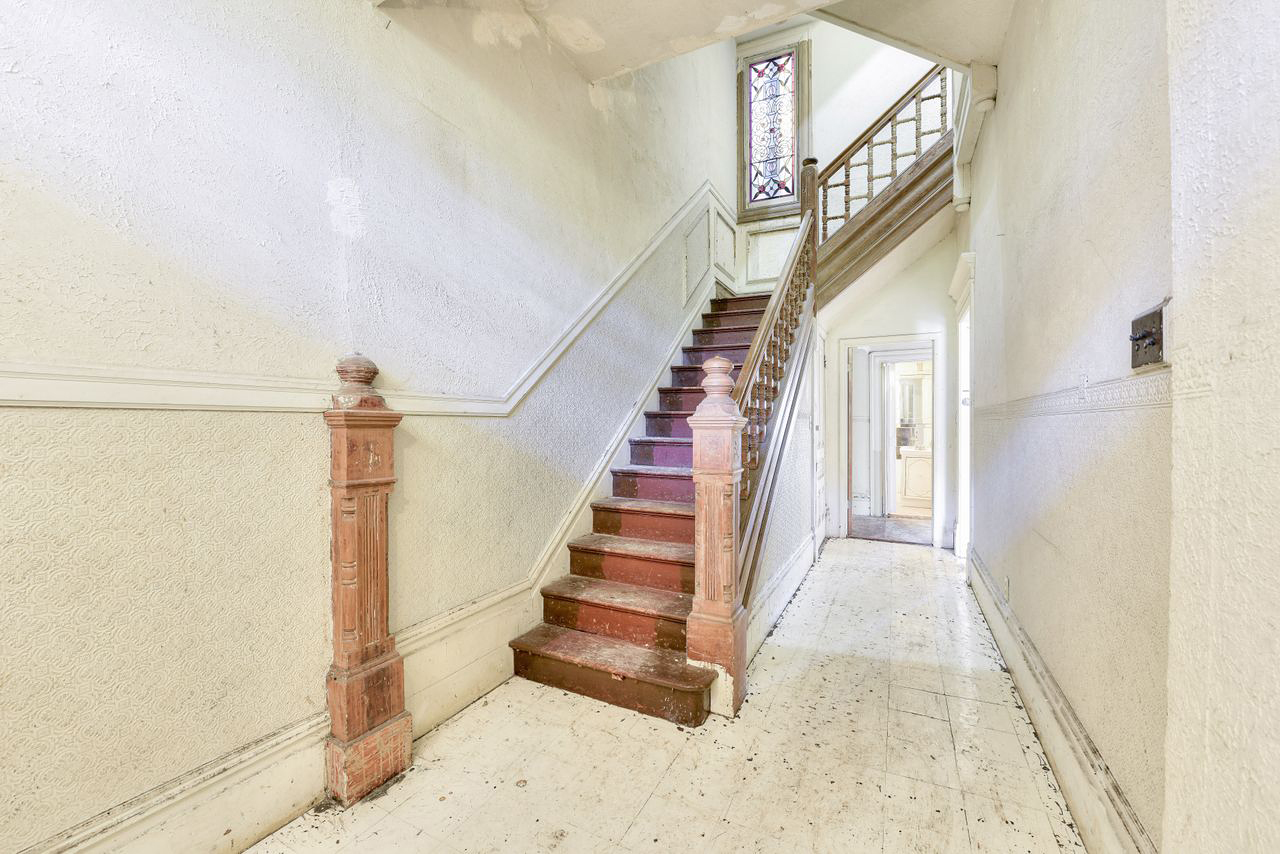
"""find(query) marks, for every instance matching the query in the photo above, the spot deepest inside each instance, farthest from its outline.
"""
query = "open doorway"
(898, 390)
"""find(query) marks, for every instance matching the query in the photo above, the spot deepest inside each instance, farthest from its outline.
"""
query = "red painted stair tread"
(619, 658)
(632, 598)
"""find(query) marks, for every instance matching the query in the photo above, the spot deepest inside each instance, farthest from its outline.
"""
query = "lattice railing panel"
(763, 375)
(882, 152)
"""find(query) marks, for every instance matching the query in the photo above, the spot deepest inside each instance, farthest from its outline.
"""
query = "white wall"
(1071, 227)
(1222, 776)
(226, 195)
(902, 300)
(855, 79)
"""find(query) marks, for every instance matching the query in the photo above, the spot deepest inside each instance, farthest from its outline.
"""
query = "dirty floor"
(879, 720)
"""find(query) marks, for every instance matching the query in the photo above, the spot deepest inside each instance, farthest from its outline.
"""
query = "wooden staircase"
(614, 629)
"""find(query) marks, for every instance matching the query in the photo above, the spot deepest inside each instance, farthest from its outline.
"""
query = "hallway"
(879, 719)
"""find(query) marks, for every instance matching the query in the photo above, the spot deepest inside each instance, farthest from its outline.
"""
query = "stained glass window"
(771, 105)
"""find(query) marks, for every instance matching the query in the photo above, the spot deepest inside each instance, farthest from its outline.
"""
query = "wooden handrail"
(756, 352)
(878, 125)
(844, 161)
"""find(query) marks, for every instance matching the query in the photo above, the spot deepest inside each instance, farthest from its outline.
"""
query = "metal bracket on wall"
(1147, 337)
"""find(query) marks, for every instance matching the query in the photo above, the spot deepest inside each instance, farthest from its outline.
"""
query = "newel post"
(371, 736)
(717, 627)
(809, 199)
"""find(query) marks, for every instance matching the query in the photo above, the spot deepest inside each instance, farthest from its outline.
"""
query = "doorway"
(897, 386)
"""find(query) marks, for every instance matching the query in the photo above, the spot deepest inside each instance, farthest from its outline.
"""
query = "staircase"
(614, 628)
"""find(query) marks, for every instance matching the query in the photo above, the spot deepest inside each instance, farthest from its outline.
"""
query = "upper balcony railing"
(882, 152)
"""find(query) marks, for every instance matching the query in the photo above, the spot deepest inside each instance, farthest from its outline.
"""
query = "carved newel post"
(717, 627)
(371, 737)
(809, 198)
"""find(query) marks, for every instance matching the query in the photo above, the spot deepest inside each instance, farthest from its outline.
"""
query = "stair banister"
(733, 469)
(838, 173)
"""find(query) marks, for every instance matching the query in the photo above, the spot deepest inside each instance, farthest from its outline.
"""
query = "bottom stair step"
(656, 682)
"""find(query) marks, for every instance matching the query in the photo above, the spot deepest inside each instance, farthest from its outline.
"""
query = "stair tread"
(660, 550)
(717, 312)
(660, 471)
(742, 328)
(743, 345)
(645, 505)
(742, 297)
(663, 440)
(672, 412)
(649, 601)
(668, 668)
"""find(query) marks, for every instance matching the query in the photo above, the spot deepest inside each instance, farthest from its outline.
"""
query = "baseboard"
(223, 806)
(1103, 815)
(773, 599)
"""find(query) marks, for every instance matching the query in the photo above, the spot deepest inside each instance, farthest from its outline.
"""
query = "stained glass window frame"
(750, 208)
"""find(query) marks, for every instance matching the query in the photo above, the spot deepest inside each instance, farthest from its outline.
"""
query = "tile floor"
(894, 529)
(879, 720)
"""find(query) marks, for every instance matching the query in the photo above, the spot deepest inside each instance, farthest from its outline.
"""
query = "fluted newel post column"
(717, 627)
(371, 736)
(809, 199)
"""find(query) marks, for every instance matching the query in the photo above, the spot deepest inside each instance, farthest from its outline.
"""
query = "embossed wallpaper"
(164, 599)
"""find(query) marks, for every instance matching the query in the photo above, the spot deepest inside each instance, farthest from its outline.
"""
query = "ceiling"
(955, 32)
(605, 39)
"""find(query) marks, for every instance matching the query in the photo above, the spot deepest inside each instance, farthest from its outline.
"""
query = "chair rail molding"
(28, 384)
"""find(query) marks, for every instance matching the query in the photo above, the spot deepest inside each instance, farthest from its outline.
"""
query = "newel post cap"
(717, 409)
(357, 373)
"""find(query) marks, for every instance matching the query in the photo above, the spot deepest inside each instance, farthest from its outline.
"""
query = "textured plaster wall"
(164, 599)
(1071, 228)
(479, 498)
(1223, 773)
(253, 190)
(250, 190)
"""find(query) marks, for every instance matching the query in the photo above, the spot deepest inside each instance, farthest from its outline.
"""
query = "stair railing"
(739, 432)
(880, 153)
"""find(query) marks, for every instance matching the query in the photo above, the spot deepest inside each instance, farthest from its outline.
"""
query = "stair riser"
(759, 302)
(723, 336)
(688, 376)
(668, 425)
(643, 454)
(641, 629)
(686, 398)
(714, 319)
(632, 570)
(734, 353)
(687, 708)
(654, 487)
(644, 526)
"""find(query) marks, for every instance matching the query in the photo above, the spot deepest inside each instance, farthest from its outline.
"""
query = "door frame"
(842, 447)
(882, 424)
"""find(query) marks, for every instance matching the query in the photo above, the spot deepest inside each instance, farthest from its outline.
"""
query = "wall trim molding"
(1141, 391)
(120, 387)
(1103, 815)
(157, 810)
(770, 604)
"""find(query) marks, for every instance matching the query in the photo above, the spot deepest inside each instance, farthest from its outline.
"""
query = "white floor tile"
(878, 719)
